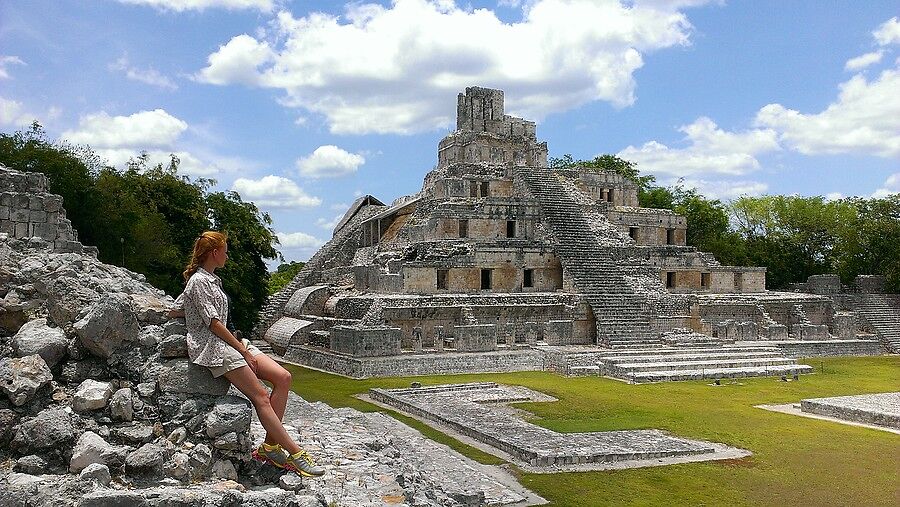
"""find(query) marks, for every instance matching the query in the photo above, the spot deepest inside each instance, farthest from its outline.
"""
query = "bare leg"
(247, 382)
(280, 378)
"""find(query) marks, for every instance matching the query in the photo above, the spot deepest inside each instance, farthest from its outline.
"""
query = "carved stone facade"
(498, 252)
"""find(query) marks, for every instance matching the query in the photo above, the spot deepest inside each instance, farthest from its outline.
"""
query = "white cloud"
(391, 69)
(710, 150)
(274, 192)
(888, 32)
(236, 62)
(199, 5)
(141, 130)
(13, 114)
(726, 189)
(6, 61)
(298, 246)
(834, 196)
(865, 118)
(890, 186)
(148, 76)
(329, 161)
(863, 61)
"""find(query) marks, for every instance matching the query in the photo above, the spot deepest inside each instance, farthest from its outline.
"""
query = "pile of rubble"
(99, 404)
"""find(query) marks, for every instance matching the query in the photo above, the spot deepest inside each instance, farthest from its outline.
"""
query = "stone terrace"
(878, 409)
(476, 410)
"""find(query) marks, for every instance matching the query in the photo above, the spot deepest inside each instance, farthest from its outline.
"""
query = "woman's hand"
(251, 361)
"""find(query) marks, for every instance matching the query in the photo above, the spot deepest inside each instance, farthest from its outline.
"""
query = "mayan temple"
(500, 263)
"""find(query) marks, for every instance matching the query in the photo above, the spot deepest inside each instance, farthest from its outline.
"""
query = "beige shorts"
(233, 359)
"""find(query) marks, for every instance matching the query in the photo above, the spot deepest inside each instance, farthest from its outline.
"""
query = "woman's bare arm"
(176, 314)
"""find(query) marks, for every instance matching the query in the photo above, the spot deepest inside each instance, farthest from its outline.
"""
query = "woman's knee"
(283, 378)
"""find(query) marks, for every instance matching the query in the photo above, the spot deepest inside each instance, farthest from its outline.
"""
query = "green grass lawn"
(796, 460)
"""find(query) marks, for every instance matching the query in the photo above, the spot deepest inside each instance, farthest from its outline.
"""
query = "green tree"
(606, 162)
(283, 275)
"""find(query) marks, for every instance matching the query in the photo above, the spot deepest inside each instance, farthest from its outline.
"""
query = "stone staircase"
(882, 313)
(622, 315)
(673, 363)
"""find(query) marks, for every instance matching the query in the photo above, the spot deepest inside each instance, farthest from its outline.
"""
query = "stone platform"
(372, 459)
(876, 409)
(479, 412)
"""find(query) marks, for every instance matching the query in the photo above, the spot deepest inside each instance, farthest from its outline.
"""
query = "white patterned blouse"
(202, 301)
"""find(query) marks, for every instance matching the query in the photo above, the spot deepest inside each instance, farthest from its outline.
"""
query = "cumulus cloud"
(200, 5)
(13, 114)
(141, 130)
(148, 76)
(710, 150)
(274, 192)
(890, 186)
(378, 69)
(6, 61)
(865, 118)
(888, 32)
(327, 224)
(726, 189)
(863, 61)
(298, 240)
(329, 161)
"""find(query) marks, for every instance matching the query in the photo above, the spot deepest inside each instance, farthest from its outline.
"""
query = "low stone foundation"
(499, 361)
(877, 409)
(828, 348)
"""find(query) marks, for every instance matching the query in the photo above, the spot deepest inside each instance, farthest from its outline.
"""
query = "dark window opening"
(633, 232)
(510, 228)
(485, 188)
(704, 280)
(473, 189)
(528, 280)
(609, 195)
(463, 228)
(670, 236)
(486, 278)
(442, 278)
(670, 279)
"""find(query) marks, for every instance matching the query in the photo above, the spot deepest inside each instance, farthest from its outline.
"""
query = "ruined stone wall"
(28, 210)
(365, 342)
(473, 187)
(652, 227)
(507, 272)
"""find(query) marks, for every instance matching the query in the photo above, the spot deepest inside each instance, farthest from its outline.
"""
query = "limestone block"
(46, 231)
(530, 331)
(365, 342)
(229, 414)
(19, 215)
(35, 202)
(21, 230)
(66, 299)
(307, 301)
(38, 216)
(224, 469)
(173, 346)
(36, 337)
(149, 309)
(180, 376)
(53, 203)
(4, 212)
(108, 322)
(91, 395)
(475, 338)
(112, 497)
(7, 227)
(147, 460)
(50, 431)
(31, 464)
(96, 472)
(120, 405)
(558, 332)
(288, 331)
(22, 378)
(91, 449)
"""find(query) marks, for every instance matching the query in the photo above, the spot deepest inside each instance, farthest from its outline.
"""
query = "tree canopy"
(146, 217)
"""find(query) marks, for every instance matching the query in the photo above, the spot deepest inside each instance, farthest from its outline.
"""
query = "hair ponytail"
(206, 243)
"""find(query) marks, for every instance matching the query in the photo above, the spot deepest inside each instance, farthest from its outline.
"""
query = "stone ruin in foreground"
(500, 263)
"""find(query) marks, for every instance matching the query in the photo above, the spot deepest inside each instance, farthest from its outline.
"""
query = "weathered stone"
(175, 326)
(173, 346)
(91, 448)
(149, 309)
(36, 337)
(50, 431)
(178, 467)
(146, 389)
(147, 460)
(230, 442)
(31, 464)
(96, 472)
(76, 372)
(177, 435)
(112, 498)
(8, 419)
(136, 433)
(109, 321)
(91, 395)
(120, 405)
(180, 376)
(229, 414)
(290, 482)
(224, 469)
(66, 299)
(22, 378)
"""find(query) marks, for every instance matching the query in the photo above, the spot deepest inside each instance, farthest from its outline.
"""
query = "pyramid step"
(678, 375)
(713, 364)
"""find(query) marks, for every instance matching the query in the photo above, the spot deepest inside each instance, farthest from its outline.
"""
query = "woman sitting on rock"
(204, 306)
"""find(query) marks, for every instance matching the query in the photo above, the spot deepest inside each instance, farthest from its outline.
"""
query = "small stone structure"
(877, 409)
(472, 410)
(498, 253)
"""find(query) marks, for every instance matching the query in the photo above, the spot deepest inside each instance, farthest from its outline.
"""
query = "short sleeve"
(179, 302)
(203, 295)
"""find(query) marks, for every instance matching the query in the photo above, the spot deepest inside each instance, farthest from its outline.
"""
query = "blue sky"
(303, 105)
